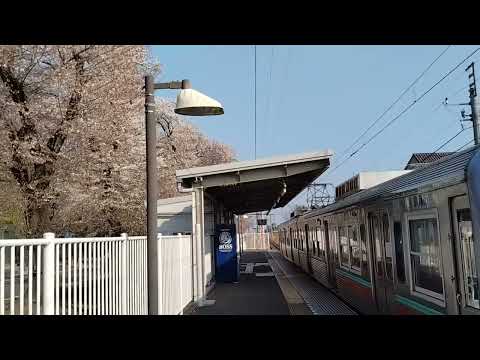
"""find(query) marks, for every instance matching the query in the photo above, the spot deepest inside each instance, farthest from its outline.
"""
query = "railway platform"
(318, 299)
(270, 285)
(256, 293)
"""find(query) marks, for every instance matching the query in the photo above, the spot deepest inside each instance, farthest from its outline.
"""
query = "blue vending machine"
(226, 253)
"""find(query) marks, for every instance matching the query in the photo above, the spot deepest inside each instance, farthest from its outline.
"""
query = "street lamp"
(189, 102)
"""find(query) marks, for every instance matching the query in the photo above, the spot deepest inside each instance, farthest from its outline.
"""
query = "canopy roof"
(257, 185)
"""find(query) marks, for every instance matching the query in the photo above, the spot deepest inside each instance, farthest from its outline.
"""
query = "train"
(406, 246)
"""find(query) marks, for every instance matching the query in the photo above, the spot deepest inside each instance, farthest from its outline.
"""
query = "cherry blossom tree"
(181, 145)
(67, 118)
(72, 139)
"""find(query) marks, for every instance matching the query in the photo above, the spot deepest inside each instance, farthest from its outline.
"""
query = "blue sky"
(310, 98)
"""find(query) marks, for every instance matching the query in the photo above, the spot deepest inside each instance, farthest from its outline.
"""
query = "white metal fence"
(177, 274)
(255, 241)
(90, 276)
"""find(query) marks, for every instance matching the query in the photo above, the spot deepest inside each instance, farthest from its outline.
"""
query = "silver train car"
(406, 246)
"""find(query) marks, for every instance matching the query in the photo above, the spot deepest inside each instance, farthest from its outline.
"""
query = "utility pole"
(474, 105)
(152, 191)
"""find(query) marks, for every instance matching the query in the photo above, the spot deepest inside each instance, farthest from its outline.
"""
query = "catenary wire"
(396, 101)
(405, 110)
(447, 142)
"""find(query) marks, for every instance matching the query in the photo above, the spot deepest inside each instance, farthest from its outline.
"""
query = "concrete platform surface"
(252, 295)
(319, 299)
(271, 285)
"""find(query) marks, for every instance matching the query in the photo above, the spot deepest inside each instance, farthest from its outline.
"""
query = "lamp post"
(189, 102)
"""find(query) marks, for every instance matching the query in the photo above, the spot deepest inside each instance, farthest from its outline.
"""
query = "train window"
(397, 234)
(354, 247)
(302, 238)
(322, 242)
(364, 259)
(332, 238)
(319, 241)
(388, 247)
(425, 257)
(313, 241)
(378, 247)
(344, 256)
(307, 239)
(468, 256)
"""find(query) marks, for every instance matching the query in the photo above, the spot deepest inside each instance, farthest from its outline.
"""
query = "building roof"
(430, 157)
(252, 164)
(444, 172)
(418, 159)
(175, 200)
(257, 185)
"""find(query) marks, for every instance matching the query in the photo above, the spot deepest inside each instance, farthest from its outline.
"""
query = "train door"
(382, 259)
(297, 246)
(280, 241)
(330, 244)
(466, 270)
(291, 243)
(308, 249)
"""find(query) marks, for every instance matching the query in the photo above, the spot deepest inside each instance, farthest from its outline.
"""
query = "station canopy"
(257, 185)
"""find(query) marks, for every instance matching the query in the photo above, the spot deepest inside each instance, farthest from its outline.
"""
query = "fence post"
(160, 274)
(123, 273)
(48, 285)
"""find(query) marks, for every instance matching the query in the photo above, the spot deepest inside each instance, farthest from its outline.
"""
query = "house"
(174, 215)
(421, 159)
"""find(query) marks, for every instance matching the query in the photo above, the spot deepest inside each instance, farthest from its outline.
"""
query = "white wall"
(369, 179)
(174, 215)
(208, 245)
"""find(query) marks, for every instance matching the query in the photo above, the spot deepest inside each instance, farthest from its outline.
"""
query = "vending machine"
(227, 267)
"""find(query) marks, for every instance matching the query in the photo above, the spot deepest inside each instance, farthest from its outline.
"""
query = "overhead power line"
(406, 109)
(447, 142)
(464, 145)
(397, 100)
(282, 85)
(453, 94)
(255, 95)
(269, 94)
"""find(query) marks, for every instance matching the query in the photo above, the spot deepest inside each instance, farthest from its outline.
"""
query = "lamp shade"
(193, 103)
